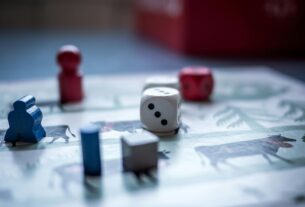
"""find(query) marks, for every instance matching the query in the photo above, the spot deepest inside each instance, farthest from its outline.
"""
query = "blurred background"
(66, 14)
(123, 36)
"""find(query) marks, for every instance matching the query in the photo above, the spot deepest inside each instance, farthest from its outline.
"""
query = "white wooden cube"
(160, 109)
(139, 151)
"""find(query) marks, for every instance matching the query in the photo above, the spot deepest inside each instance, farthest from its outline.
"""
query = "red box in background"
(223, 27)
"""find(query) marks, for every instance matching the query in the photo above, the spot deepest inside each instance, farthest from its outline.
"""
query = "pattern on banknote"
(233, 116)
(56, 132)
(128, 126)
(59, 132)
(245, 91)
(248, 91)
(295, 110)
(71, 173)
(266, 147)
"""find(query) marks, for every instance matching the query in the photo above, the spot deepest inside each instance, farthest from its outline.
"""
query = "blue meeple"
(25, 122)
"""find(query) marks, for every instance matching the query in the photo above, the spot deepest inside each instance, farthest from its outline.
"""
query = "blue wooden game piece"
(91, 150)
(25, 122)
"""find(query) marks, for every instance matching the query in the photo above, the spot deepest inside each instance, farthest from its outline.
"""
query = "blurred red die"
(196, 83)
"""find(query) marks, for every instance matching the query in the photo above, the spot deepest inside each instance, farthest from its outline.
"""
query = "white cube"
(139, 151)
(160, 109)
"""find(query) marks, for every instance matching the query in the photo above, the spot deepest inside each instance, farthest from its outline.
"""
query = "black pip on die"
(160, 110)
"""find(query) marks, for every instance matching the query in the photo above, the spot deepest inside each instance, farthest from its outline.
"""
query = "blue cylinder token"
(91, 150)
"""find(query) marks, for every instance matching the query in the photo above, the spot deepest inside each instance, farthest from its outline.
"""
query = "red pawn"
(196, 83)
(70, 78)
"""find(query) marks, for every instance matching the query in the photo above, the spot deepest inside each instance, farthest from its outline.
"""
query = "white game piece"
(161, 81)
(139, 151)
(160, 109)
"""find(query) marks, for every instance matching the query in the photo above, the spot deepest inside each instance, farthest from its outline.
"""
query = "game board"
(244, 147)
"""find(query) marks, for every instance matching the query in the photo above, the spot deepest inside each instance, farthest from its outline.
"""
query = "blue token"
(25, 122)
(91, 150)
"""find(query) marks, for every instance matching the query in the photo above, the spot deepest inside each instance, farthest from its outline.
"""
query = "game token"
(91, 150)
(140, 151)
(160, 110)
(25, 122)
(196, 83)
(70, 78)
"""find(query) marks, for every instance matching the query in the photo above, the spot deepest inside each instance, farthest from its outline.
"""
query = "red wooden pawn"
(70, 78)
(196, 83)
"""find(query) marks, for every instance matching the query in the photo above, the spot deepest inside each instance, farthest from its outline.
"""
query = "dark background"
(66, 14)
(31, 31)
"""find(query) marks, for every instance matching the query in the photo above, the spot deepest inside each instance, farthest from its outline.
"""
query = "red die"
(196, 83)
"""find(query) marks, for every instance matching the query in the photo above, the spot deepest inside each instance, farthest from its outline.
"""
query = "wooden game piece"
(90, 143)
(139, 152)
(160, 110)
(161, 81)
(70, 78)
(25, 122)
(196, 83)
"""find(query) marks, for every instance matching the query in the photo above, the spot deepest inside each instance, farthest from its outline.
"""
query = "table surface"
(30, 54)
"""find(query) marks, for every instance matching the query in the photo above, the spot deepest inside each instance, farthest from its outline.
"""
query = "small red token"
(70, 78)
(196, 83)
(69, 58)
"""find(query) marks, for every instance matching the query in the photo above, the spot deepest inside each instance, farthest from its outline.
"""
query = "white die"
(161, 81)
(160, 109)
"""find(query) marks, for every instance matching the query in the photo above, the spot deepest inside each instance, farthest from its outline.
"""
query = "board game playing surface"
(244, 147)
